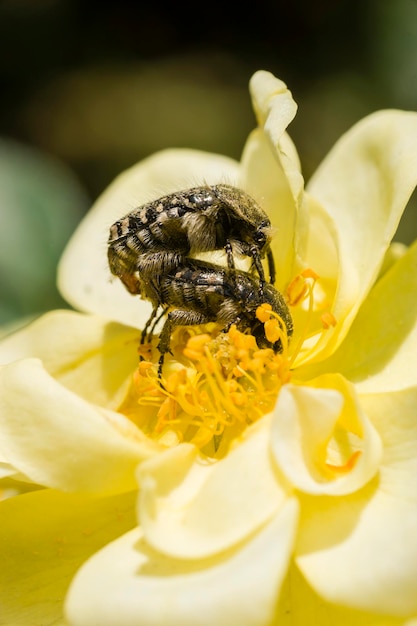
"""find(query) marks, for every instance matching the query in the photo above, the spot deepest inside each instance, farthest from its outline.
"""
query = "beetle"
(156, 237)
(198, 292)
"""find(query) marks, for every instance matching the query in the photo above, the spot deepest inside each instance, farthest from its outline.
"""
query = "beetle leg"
(229, 253)
(178, 317)
(148, 323)
(271, 266)
(259, 268)
(160, 316)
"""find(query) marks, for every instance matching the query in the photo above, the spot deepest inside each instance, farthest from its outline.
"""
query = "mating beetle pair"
(151, 250)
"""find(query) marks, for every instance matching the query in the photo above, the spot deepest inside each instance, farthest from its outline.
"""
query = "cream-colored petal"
(45, 537)
(272, 102)
(84, 278)
(320, 255)
(265, 179)
(85, 353)
(361, 550)
(13, 482)
(129, 584)
(59, 440)
(190, 508)
(275, 109)
(271, 171)
(300, 606)
(394, 253)
(381, 346)
(364, 184)
(322, 439)
(394, 416)
(6, 470)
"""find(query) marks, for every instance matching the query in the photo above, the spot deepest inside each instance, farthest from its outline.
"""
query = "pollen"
(216, 385)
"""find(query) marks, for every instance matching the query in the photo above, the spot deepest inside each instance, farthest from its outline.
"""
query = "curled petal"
(59, 440)
(192, 509)
(364, 184)
(127, 583)
(275, 109)
(361, 551)
(272, 102)
(271, 170)
(84, 278)
(321, 438)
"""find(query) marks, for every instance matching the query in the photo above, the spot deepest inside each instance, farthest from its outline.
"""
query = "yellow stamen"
(346, 467)
(328, 319)
(272, 330)
(310, 273)
(300, 289)
(217, 384)
(263, 312)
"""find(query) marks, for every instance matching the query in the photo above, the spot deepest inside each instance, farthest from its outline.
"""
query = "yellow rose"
(281, 493)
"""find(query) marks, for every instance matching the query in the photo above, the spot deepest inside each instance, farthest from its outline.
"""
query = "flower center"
(214, 385)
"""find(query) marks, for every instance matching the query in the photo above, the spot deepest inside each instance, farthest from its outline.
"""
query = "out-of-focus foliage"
(41, 202)
(102, 119)
(102, 89)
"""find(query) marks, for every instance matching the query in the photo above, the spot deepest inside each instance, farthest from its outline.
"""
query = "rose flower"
(245, 486)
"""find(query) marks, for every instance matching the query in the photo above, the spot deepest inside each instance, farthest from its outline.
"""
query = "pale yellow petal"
(190, 508)
(85, 353)
(321, 252)
(379, 352)
(84, 278)
(45, 537)
(299, 605)
(271, 171)
(6, 470)
(275, 109)
(320, 255)
(59, 440)
(394, 253)
(129, 584)
(265, 179)
(364, 184)
(361, 550)
(322, 439)
(9, 473)
(12, 482)
(394, 416)
(272, 102)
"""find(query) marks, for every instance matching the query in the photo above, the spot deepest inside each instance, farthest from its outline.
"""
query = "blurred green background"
(87, 92)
